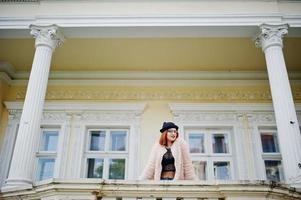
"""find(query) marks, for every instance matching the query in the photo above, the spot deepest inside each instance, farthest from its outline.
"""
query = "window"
(221, 170)
(46, 156)
(107, 153)
(210, 151)
(273, 169)
(196, 143)
(271, 154)
(269, 142)
(220, 143)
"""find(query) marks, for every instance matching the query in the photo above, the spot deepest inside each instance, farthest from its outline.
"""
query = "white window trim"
(211, 157)
(49, 154)
(276, 156)
(106, 154)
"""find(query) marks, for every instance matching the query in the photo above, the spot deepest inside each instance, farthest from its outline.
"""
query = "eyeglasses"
(172, 131)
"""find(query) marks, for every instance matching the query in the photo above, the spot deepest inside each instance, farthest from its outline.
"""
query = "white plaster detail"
(271, 35)
(47, 35)
(149, 93)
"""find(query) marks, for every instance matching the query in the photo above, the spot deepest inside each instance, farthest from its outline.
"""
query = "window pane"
(273, 170)
(117, 169)
(196, 143)
(49, 141)
(222, 170)
(97, 142)
(118, 141)
(220, 143)
(200, 169)
(45, 168)
(95, 168)
(269, 142)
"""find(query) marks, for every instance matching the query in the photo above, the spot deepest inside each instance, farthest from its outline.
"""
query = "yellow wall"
(155, 113)
(3, 112)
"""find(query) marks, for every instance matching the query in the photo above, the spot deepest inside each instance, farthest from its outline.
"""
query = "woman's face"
(172, 134)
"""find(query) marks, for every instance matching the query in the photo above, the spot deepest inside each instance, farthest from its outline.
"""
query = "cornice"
(156, 78)
(155, 75)
(185, 20)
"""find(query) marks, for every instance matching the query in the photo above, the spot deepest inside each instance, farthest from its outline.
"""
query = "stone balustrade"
(98, 189)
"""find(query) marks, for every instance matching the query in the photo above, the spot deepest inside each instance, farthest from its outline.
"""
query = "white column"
(270, 40)
(21, 170)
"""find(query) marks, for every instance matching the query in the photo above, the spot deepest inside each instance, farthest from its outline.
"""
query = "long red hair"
(163, 138)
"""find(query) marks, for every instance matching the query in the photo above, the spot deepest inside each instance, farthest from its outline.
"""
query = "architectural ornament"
(271, 35)
(235, 94)
(47, 36)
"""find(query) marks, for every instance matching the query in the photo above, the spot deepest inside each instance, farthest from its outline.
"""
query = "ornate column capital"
(47, 35)
(270, 35)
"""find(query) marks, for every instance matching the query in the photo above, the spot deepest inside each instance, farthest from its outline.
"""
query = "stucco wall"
(155, 113)
(3, 112)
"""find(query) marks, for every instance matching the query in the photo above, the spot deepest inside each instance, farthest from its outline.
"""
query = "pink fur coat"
(183, 164)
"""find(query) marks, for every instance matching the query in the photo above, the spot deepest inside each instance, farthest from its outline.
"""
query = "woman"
(169, 159)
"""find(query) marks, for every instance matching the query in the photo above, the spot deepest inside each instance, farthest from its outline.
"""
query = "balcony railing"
(88, 189)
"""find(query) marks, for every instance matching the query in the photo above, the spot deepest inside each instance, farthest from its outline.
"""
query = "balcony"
(89, 189)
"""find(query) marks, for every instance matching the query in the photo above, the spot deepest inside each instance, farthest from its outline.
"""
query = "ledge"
(156, 189)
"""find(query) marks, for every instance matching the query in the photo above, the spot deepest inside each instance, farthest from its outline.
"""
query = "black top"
(168, 162)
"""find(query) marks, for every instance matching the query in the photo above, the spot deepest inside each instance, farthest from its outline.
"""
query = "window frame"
(41, 154)
(270, 156)
(107, 154)
(209, 156)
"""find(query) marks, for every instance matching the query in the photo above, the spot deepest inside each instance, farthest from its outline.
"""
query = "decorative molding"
(14, 114)
(216, 94)
(101, 112)
(263, 118)
(70, 107)
(190, 117)
(226, 107)
(115, 117)
(54, 116)
(223, 112)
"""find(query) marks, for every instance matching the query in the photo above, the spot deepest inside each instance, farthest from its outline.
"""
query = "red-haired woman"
(169, 159)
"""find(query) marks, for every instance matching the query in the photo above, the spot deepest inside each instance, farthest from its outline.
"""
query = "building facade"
(85, 87)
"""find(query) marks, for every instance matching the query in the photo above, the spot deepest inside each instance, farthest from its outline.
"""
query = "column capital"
(270, 35)
(47, 35)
